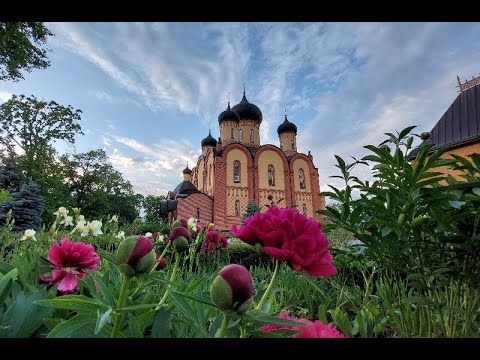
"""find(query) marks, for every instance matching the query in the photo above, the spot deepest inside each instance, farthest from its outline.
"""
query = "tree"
(20, 48)
(151, 206)
(34, 125)
(98, 188)
(11, 176)
(251, 209)
(27, 207)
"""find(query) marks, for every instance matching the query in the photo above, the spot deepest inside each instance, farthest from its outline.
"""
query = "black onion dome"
(187, 170)
(247, 110)
(287, 126)
(228, 114)
(209, 141)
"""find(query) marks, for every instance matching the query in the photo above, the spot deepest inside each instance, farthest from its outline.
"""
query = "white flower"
(29, 234)
(120, 235)
(67, 221)
(81, 218)
(80, 226)
(76, 210)
(62, 212)
(160, 238)
(192, 224)
(148, 234)
(114, 219)
(93, 227)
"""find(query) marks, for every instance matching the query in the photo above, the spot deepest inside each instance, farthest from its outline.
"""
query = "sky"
(149, 91)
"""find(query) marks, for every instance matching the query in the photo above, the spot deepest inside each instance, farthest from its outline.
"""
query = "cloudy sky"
(148, 91)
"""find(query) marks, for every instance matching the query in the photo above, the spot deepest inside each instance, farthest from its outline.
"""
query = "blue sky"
(149, 90)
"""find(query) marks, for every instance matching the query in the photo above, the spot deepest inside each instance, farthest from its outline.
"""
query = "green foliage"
(11, 176)
(405, 218)
(27, 207)
(251, 209)
(20, 48)
(244, 254)
(4, 196)
(151, 206)
(98, 189)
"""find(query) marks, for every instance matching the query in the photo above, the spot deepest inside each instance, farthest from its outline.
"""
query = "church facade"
(237, 169)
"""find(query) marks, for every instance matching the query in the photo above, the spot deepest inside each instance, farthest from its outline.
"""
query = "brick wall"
(187, 208)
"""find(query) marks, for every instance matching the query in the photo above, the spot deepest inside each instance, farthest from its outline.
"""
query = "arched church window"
(240, 135)
(251, 136)
(301, 178)
(231, 133)
(236, 171)
(198, 214)
(271, 175)
(304, 208)
(237, 207)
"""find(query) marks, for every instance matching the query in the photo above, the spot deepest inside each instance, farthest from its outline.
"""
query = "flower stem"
(223, 328)
(160, 258)
(172, 277)
(120, 303)
(265, 296)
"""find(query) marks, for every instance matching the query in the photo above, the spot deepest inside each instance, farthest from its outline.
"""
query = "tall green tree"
(11, 176)
(98, 188)
(34, 125)
(27, 207)
(151, 206)
(21, 48)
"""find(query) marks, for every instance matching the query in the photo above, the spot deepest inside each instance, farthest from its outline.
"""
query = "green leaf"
(137, 307)
(275, 320)
(74, 302)
(202, 299)
(456, 204)
(406, 131)
(133, 330)
(162, 323)
(102, 320)
(23, 316)
(386, 231)
(476, 191)
(183, 306)
(5, 267)
(71, 326)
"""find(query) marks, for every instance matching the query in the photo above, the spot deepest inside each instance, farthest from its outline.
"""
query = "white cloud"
(5, 95)
(152, 169)
(357, 80)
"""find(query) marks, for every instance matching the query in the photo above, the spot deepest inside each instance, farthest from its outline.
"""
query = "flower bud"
(135, 255)
(425, 135)
(232, 289)
(179, 231)
(180, 223)
(162, 264)
(180, 244)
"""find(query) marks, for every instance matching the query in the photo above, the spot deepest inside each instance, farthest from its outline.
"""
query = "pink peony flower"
(213, 240)
(315, 329)
(69, 260)
(289, 236)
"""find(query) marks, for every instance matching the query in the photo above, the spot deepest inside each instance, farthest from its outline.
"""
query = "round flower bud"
(180, 244)
(162, 264)
(180, 223)
(232, 289)
(179, 231)
(135, 255)
(425, 135)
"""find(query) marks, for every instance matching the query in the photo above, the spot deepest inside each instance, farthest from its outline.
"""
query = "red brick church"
(237, 169)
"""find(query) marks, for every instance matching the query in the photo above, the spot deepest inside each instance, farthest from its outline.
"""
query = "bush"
(408, 221)
(243, 254)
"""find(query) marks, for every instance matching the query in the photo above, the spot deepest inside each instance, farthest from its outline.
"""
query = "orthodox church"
(237, 169)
